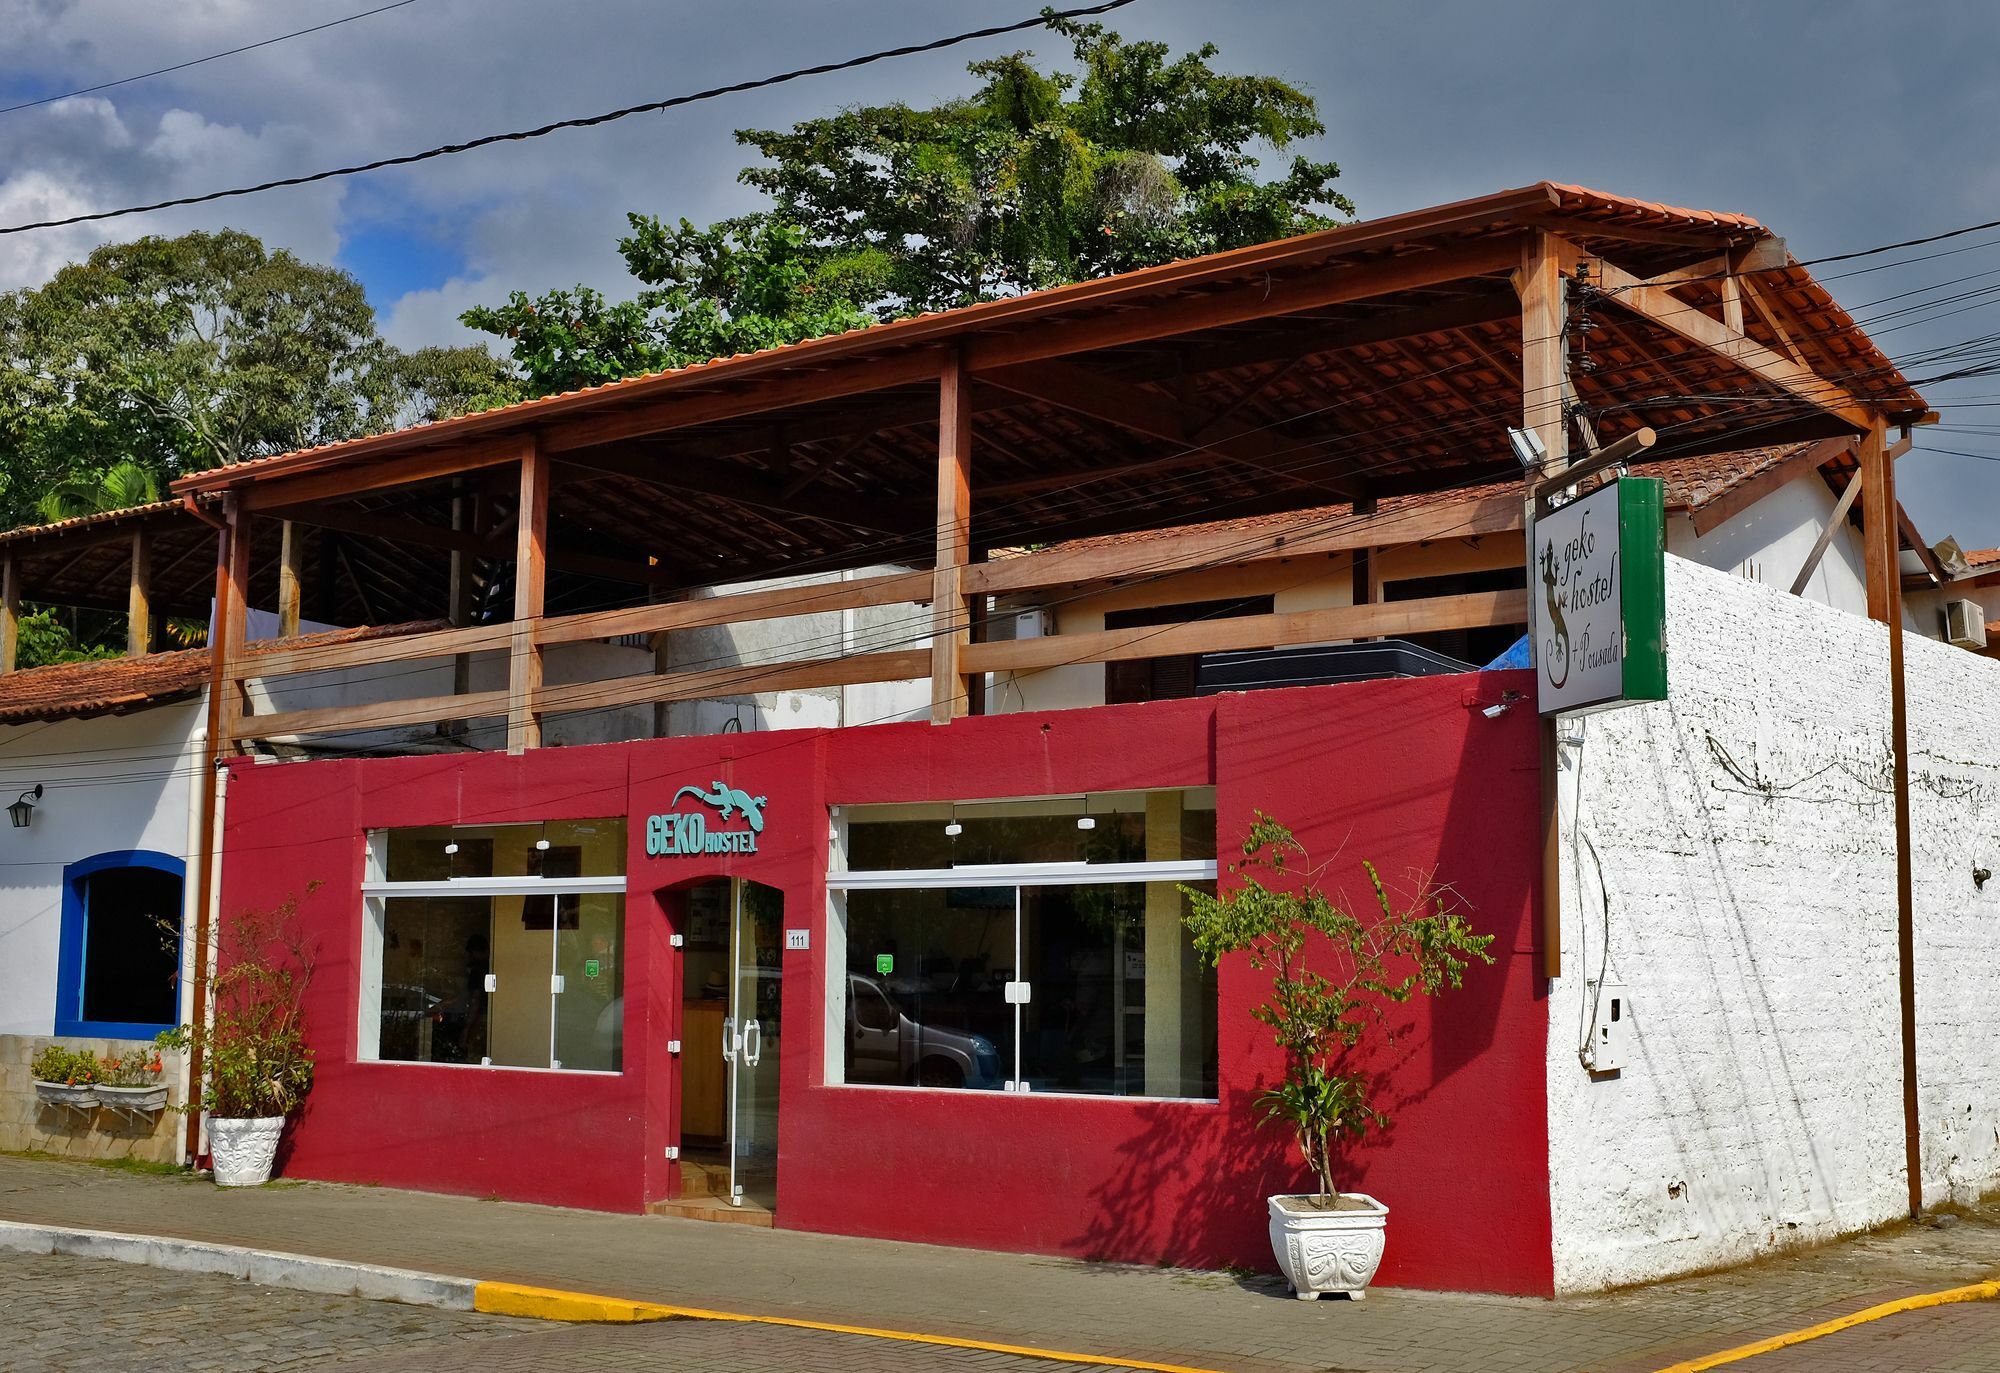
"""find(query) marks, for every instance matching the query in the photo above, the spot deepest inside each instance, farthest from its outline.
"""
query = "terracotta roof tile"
(1982, 557)
(116, 686)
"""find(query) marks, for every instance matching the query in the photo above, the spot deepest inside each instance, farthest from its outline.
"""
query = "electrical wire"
(196, 62)
(584, 122)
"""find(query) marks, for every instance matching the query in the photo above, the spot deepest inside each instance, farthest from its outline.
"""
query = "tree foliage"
(181, 354)
(1035, 179)
(1334, 973)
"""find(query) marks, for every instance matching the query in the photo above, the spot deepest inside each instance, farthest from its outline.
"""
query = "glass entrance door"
(750, 1041)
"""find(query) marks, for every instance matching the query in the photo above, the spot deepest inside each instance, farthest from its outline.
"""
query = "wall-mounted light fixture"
(23, 810)
(1980, 876)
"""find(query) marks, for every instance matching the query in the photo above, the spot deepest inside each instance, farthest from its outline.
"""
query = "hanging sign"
(1598, 587)
(689, 829)
(885, 963)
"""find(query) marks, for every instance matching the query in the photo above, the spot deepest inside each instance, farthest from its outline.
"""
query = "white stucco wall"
(116, 782)
(1731, 863)
(829, 634)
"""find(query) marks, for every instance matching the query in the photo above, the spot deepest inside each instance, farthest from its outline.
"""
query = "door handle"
(753, 1042)
(729, 1039)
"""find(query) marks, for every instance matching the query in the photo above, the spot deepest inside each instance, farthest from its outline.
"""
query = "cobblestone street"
(73, 1313)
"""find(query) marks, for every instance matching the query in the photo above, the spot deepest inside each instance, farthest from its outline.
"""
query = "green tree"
(1334, 973)
(1035, 179)
(442, 383)
(118, 487)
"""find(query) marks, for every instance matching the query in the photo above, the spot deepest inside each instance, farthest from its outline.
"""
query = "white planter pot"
(62, 1094)
(242, 1150)
(1329, 1251)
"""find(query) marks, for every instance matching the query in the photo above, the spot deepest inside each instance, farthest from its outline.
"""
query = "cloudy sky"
(1821, 117)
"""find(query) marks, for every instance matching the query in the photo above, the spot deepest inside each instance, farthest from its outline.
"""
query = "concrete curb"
(336, 1277)
(329, 1277)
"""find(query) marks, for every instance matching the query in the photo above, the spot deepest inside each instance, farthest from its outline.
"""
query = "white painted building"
(1729, 882)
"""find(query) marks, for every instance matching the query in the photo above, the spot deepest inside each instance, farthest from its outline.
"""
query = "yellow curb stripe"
(1978, 1291)
(552, 1304)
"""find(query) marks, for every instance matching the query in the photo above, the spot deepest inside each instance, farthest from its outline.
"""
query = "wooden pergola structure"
(1331, 370)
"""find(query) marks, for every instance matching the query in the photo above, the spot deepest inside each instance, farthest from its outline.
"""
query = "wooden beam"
(706, 479)
(710, 683)
(759, 397)
(1544, 396)
(1158, 416)
(1314, 533)
(354, 583)
(531, 546)
(1825, 539)
(139, 598)
(1878, 525)
(10, 613)
(1658, 306)
(404, 469)
(291, 559)
(376, 715)
(397, 648)
(1263, 299)
(232, 614)
(1477, 610)
(1308, 339)
(892, 588)
(1907, 528)
(951, 621)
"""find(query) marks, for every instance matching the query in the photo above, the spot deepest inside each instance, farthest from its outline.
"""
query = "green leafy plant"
(71, 1067)
(255, 1059)
(1334, 974)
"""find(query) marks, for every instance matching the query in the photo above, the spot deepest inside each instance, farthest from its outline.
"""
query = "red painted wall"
(1406, 774)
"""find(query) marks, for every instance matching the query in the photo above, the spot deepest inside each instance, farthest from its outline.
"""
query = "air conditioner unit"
(1965, 624)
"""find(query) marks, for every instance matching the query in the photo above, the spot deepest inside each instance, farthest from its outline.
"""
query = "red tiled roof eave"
(119, 686)
(1589, 213)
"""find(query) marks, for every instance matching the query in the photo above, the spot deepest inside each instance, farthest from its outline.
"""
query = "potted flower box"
(130, 1084)
(66, 1077)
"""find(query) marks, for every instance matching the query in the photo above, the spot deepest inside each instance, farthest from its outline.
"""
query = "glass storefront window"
(496, 944)
(1051, 979)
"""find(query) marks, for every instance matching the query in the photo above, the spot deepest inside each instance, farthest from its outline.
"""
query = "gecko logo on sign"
(687, 832)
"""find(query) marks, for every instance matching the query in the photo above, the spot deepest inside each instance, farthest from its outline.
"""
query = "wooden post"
(531, 558)
(1882, 544)
(1884, 537)
(291, 564)
(458, 597)
(232, 614)
(1544, 388)
(10, 613)
(951, 622)
(139, 601)
(219, 725)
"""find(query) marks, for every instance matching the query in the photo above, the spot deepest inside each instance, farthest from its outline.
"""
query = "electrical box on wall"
(1611, 1034)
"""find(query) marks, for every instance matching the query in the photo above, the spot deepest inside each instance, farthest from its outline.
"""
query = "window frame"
(1017, 876)
(377, 890)
(74, 942)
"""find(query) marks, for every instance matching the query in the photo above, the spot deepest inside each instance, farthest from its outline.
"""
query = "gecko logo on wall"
(684, 833)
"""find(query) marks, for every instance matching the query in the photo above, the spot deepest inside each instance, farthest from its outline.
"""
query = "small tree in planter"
(1375, 958)
(256, 1065)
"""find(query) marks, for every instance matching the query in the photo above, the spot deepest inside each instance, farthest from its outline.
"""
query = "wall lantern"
(23, 810)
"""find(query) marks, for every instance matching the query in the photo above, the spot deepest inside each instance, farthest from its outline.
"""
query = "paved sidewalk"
(1208, 1320)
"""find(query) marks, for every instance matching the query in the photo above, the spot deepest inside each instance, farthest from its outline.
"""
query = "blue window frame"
(117, 971)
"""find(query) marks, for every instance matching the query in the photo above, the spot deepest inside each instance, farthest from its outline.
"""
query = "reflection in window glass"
(926, 1004)
(528, 978)
(436, 953)
(1128, 827)
(589, 1010)
(1120, 1004)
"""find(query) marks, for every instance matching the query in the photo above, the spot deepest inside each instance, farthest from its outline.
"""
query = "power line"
(196, 62)
(588, 121)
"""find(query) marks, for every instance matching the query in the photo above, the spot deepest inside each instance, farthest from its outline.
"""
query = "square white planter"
(1329, 1251)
